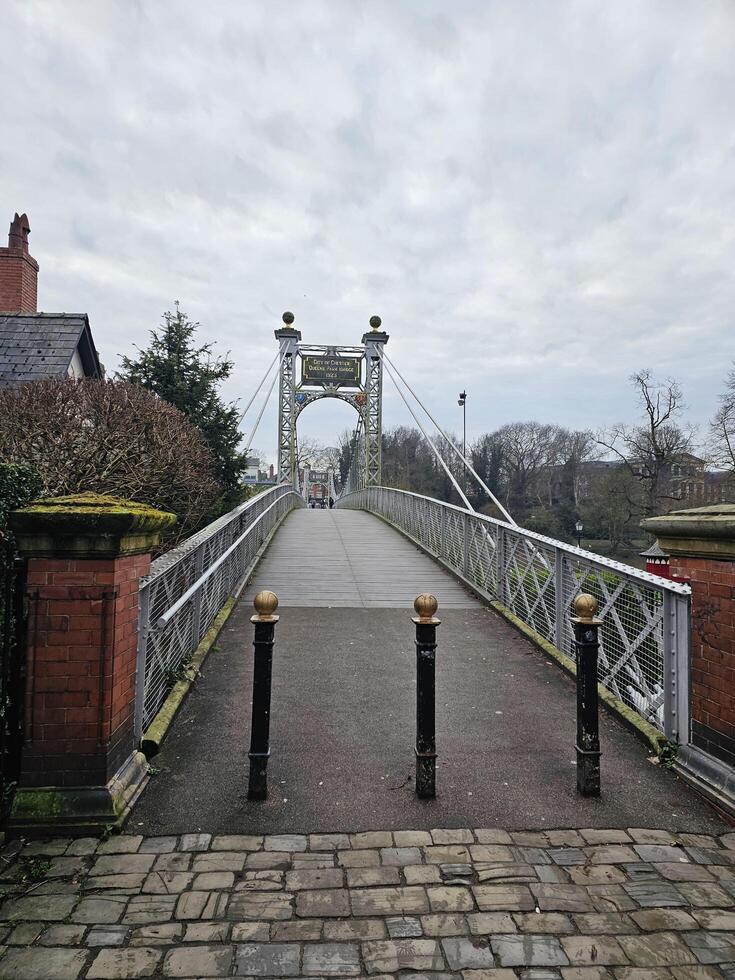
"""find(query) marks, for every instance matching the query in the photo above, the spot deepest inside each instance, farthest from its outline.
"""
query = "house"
(251, 474)
(34, 345)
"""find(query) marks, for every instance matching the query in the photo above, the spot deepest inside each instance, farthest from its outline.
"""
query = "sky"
(538, 198)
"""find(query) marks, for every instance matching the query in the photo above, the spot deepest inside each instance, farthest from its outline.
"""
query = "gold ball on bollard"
(265, 603)
(585, 607)
(426, 606)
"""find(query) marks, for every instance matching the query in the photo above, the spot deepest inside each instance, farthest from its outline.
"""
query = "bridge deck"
(343, 710)
(353, 559)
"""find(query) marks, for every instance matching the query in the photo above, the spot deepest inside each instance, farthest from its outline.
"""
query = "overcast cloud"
(537, 197)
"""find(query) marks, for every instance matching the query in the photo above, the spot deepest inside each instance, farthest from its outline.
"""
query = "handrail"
(166, 617)
(608, 563)
(645, 636)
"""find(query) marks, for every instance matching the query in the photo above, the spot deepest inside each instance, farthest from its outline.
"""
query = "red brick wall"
(81, 660)
(18, 281)
(713, 653)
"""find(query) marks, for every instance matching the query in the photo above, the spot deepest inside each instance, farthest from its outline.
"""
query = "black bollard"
(426, 624)
(588, 730)
(265, 604)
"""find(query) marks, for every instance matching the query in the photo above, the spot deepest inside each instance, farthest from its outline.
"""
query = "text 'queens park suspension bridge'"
(353, 701)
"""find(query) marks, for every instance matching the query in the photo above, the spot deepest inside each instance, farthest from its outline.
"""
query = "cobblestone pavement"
(472, 905)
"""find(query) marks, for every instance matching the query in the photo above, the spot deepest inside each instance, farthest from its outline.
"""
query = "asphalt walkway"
(343, 714)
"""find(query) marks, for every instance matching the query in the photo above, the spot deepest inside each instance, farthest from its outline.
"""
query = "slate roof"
(34, 346)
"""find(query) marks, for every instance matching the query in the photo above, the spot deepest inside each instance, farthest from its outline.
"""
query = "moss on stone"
(40, 804)
(88, 525)
(91, 513)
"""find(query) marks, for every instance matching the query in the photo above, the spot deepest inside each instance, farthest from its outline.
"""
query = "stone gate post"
(701, 546)
(79, 768)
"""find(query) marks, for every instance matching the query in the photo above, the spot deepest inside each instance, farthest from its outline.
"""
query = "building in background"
(34, 345)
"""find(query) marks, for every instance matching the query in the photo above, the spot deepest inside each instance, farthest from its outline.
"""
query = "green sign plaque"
(325, 370)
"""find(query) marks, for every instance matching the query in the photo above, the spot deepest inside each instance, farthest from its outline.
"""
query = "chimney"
(18, 270)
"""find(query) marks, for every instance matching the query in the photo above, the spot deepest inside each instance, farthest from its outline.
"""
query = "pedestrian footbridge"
(344, 673)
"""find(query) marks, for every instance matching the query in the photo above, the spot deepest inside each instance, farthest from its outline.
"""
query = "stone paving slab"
(301, 910)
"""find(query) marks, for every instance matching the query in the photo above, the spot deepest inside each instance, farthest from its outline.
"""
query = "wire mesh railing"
(644, 639)
(188, 587)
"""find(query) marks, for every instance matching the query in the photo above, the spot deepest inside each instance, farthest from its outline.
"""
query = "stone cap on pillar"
(87, 525)
(702, 532)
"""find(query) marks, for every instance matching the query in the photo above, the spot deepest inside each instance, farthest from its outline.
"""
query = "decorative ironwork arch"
(310, 372)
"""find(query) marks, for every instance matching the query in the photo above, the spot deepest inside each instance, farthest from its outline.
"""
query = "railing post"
(442, 532)
(466, 547)
(588, 734)
(144, 625)
(265, 604)
(559, 598)
(426, 624)
(675, 628)
(196, 612)
(500, 566)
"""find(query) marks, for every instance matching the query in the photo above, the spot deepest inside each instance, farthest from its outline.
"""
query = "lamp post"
(579, 527)
(462, 402)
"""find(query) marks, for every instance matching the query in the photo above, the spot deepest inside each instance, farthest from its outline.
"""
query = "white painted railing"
(188, 587)
(644, 640)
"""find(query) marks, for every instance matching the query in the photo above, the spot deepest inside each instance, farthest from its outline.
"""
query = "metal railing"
(644, 640)
(188, 587)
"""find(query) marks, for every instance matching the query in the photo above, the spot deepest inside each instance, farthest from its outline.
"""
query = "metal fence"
(187, 588)
(644, 639)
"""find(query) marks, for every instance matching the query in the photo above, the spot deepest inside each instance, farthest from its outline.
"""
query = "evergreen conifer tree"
(188, 376)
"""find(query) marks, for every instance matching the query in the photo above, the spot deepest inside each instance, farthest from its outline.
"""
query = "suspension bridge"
(344, 687)
(362, 784)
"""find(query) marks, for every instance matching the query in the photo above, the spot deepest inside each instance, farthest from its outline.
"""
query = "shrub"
(108, 437)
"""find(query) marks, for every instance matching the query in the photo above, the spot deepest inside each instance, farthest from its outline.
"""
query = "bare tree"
(648, 449)
(529, 448)
(110, 437)
(309, 451)
(721, 442)
(576, 448)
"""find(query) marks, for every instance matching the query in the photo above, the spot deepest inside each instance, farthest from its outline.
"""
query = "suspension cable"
(262, 408)
(436, 451)
(262, 381)
(461, 455)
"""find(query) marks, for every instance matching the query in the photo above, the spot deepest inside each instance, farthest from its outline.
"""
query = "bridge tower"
(309, 372)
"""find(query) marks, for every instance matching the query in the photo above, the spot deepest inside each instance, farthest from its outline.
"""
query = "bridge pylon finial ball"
(375, 322)
(266, 603)
(585, 607)
(288, 318)
(426, 606)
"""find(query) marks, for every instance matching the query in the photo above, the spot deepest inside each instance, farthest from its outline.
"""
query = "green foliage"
(111, 438)
(668, 754)
(19, 484)
(172, 675)
(188, 376)
(35, 870)
(543, 520)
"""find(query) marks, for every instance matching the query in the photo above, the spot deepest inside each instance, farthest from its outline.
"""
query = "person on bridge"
(331, 502)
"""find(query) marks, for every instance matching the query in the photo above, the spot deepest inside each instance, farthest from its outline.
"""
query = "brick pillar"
(701, 545)
(79, 770)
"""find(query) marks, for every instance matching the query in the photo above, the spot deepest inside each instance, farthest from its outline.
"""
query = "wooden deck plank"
(350, 559)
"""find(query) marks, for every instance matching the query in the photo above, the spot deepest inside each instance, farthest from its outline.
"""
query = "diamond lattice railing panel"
(631, 638)
(166, 651)
(538, 580)
(529, 583)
